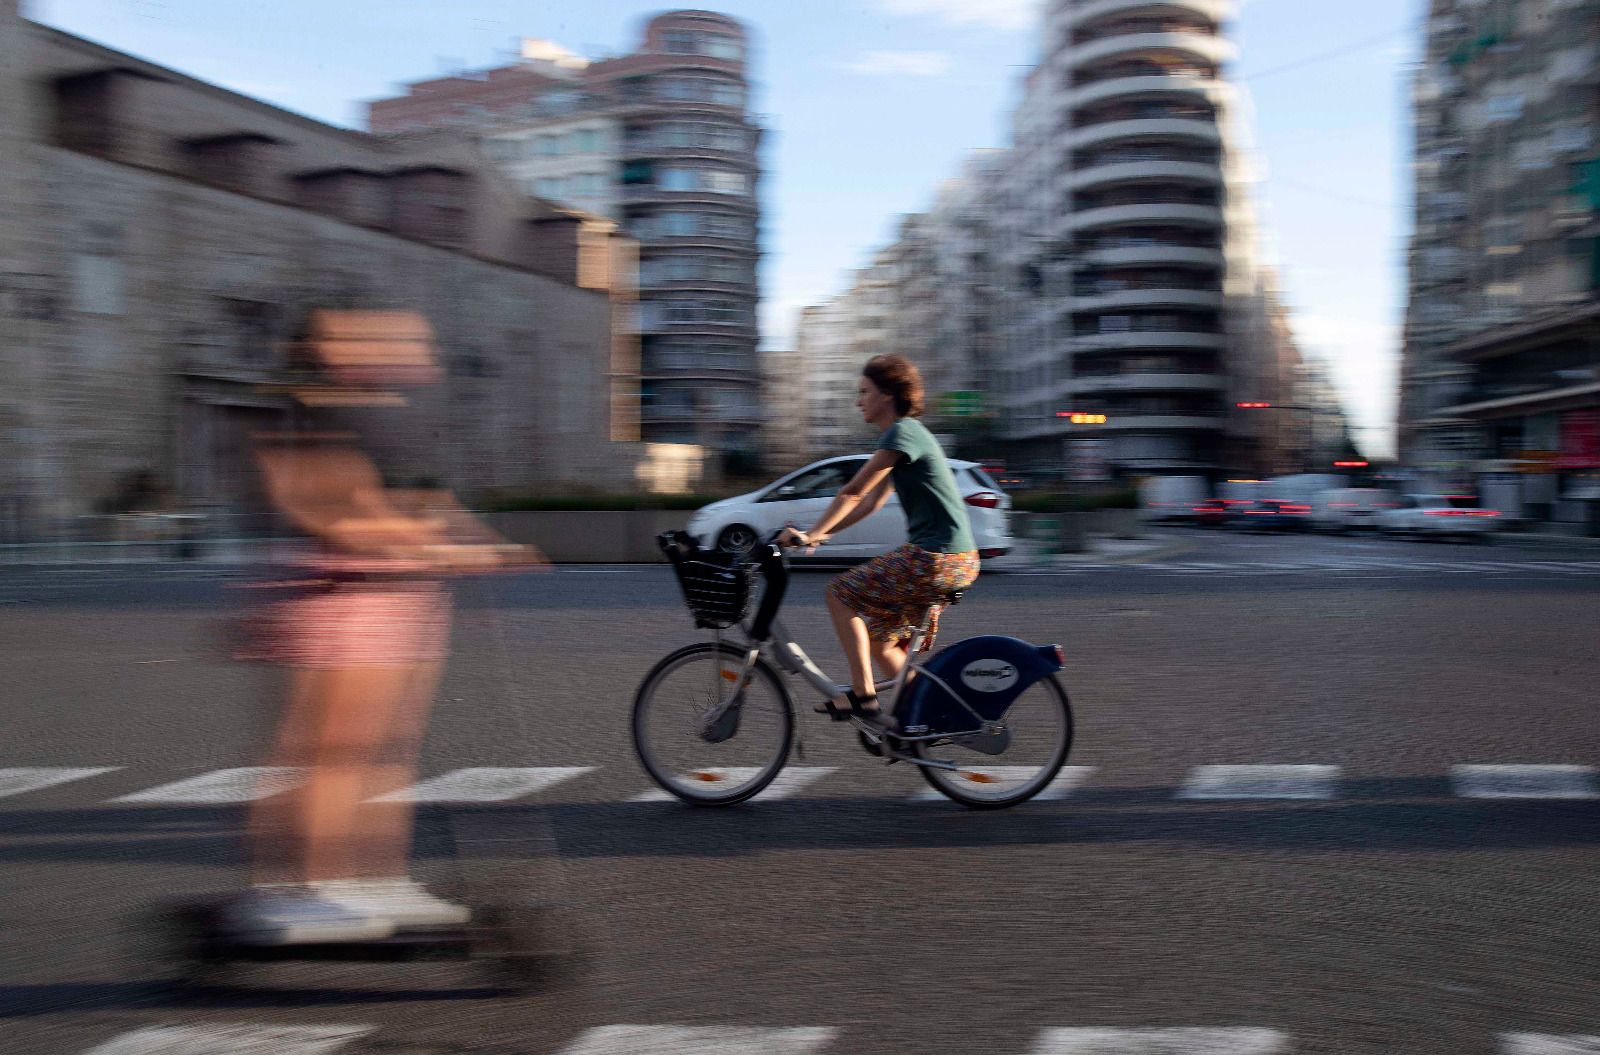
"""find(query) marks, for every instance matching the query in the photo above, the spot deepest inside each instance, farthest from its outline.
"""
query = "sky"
(870, 104)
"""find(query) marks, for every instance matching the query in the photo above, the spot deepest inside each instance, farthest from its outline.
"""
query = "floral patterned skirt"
(892, 592)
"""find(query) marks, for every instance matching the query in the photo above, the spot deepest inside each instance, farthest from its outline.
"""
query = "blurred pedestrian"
(363, 630)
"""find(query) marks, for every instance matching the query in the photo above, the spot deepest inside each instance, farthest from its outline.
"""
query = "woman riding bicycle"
(876, 605)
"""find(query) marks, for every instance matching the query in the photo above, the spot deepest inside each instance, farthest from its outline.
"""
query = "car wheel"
(737, 538)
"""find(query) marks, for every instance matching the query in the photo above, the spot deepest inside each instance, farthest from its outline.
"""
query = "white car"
(800, 498)
(1349, 508)
(1438, 515)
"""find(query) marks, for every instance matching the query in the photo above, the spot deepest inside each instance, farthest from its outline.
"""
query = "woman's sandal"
(858, 707)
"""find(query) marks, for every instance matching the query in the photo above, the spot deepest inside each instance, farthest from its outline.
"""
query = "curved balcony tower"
(1146, 218)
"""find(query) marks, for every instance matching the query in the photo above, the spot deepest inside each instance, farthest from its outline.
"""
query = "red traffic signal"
(1350, 465)
(1254, 406)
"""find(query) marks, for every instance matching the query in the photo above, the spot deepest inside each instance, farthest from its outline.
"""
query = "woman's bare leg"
(388, 827)
(276, 846)
(336, 824)
(852, 631)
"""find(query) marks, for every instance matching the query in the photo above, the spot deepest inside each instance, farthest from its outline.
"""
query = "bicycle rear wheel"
(1039, 727)
(720, 766)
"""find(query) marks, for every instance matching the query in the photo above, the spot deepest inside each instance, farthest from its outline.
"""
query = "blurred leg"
(389, 826)
(356, 710)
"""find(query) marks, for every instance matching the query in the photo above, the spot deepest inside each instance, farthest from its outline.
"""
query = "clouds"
(901, 64)
(990, 14)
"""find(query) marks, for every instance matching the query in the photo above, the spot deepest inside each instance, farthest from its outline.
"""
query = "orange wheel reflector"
(706, 775)
(977, 777)
(730, 675)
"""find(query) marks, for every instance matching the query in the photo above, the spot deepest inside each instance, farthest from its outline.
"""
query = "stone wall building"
(162, 240)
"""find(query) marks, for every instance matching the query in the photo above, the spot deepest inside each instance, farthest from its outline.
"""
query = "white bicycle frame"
(786, 652)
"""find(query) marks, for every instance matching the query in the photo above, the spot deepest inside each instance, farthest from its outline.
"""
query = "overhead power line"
(1337, 53)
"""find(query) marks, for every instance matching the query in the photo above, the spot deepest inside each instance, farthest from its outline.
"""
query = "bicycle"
(713, 723)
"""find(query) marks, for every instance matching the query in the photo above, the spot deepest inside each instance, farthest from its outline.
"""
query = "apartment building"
(1501, 365)
(661, 140)
(1105, 262)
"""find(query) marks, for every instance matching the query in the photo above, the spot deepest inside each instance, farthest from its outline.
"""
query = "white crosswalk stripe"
(504, 784)
(1260, 782)
(486, 784)
(37, 778)
(1548, 1044)
(787, 784)
(1524, 782)
(700, 1040)
(232, 1040)
(1170, 1041)
(223, 786)
(1063, 785)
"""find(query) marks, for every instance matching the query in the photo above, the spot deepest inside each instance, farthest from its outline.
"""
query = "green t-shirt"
(936, 518)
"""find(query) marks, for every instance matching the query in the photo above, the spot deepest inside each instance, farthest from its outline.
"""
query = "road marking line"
(1260, 782)
(485, 784)
(700, 1040)
(232, 1040)
(1172, 1041)
(787, 784)
(36, 778)
(1524, 782)
(1548, 1044)
(224, 786)
(1065, 783)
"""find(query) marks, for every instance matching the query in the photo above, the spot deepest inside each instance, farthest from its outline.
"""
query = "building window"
(547, 146)
(720, 47)
(681, 42)
(549, 187)
(679, 179)
(586, 141)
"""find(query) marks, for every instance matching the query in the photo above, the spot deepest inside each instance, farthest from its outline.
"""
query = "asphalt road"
(1380, 905)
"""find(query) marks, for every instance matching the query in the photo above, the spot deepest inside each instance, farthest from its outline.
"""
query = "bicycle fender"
(988, 673)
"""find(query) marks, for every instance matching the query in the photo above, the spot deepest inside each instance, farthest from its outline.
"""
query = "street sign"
(961, 404)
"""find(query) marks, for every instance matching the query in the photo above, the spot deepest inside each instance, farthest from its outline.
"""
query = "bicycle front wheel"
(1038, 735)
(697, 748)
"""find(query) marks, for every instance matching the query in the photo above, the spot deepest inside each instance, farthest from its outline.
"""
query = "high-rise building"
(1500, 361)
(1105, 263)
(1128, 219)
(663, 141)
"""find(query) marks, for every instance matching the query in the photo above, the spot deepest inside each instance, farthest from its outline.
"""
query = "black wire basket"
(717, 586)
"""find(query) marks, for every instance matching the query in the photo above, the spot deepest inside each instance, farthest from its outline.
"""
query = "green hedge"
(1060, 502)
(559, 503)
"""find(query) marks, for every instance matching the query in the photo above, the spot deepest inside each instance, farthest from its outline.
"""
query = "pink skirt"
(345, 614)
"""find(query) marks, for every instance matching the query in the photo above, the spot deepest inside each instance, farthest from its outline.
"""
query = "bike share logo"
(989, 675)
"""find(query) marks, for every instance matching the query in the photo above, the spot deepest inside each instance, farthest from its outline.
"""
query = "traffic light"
(1350, 465)
(1080, 418)
(1254, 406)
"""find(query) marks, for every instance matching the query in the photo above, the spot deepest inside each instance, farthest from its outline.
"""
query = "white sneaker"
(293, 915)
(401, 901)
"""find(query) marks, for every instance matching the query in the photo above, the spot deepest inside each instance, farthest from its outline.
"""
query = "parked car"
(1172, 497)
(1275, 514)
(1439, 515)
(1349, 508)
(736, 524)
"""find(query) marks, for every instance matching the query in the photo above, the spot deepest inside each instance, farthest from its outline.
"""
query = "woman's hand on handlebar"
(794, 538)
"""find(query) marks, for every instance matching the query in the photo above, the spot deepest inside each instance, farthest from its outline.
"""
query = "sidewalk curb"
(1171, 549)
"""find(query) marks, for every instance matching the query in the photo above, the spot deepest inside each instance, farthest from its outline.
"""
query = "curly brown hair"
(895, 375)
